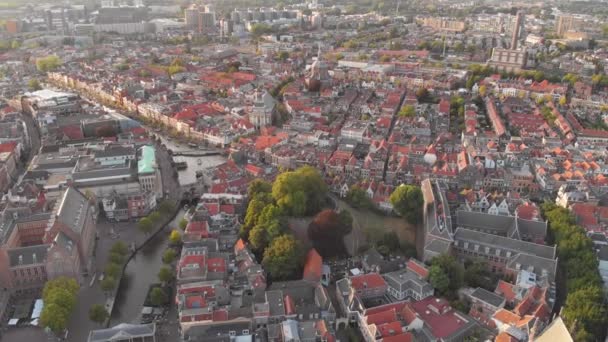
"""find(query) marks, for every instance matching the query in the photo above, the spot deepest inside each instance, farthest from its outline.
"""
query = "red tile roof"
(417, 268)
(371, 280)
(444, 322)
(313, 267)
(389, 329)
(506, 290)
(404, 337)
(382, 317)
(7, 147)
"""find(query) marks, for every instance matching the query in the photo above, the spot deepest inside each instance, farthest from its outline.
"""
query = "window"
(232, 333)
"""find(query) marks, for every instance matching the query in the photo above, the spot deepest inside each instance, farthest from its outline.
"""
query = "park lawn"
(369, 227)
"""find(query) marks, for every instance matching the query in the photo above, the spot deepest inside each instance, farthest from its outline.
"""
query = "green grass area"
(373, 225)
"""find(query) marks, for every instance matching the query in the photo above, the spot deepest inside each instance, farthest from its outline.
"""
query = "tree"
(165, 274)
(483, 90)
(119, 248)
(283, 55)
(453, 270)
(33, 84)
(175, 238)
(563, 101)
(326, 231)
(166, 207)
(438, 279)
(385, 59)
(357, 197)
(183, 223)
(98, 313)
(158, 297)
(283, 258)
(585, 313)
(145, 225)
(407, 111)
(300, 192)
(112, 270)
(169, 255)
(259, 29)
(62, 297)
(407, 200)
(422, 93)
(54, 317)
(49, 63)
(258, 238)
(117, 258)
(62, 282)
(258, 186)
(155, 216)
(108, 284)
(476, 274)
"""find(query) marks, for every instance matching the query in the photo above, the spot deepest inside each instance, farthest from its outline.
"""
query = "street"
(80, 325)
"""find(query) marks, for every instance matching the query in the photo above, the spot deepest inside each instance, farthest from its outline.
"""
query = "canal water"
(143, 269)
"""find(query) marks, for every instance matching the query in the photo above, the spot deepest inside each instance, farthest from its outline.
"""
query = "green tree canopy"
(158, 297)
(438, 279)
(166, 207)
(108, 283)
(407, 200)
(357, 197)
(407, 111)
(165, 274)
(62, 282)
(34, 84)
(119, 248)
(145, 225)
(258, 186)
(49, 63)
(117, 258)
(453, 270)
(283, 258)
(112, 270)
(300, 192)
(585, 313)
(98, 313)
(59, 297)
(54, 317)
(169, 255)
(183, 223)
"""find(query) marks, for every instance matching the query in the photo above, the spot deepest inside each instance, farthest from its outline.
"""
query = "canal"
(142, 270)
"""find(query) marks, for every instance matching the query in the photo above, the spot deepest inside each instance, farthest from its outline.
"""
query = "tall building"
(565, 23)
(516, 29)
(206, 21)
(512, 59)
(262, 111)
(191, 15)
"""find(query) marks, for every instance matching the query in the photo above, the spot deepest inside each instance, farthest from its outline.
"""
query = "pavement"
(127, 232)
(80, 325)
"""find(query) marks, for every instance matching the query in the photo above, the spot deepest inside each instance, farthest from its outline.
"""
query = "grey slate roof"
(488, 297)
(122, 332)
(503, 244)
(510, 226)
(404, 279)
(73, 209)
(27, 255)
